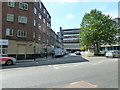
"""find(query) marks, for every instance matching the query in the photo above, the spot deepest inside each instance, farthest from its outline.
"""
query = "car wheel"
(8, 62)
(114, 56)
(106, 56)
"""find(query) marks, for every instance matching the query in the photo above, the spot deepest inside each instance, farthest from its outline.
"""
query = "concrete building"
(116, 46)
(69, 38)
(25, 29)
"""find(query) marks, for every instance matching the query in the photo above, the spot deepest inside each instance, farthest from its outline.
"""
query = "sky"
(68, 14)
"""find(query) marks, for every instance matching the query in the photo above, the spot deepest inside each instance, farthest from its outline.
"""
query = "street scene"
(63, 72)
(59, 44)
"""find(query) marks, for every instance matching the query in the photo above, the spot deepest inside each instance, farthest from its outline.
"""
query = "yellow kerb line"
(83, 83)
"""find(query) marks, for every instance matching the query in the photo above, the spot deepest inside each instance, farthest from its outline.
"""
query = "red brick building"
(25, 29)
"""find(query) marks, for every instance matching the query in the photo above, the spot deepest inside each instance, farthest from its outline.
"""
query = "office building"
(70, 39)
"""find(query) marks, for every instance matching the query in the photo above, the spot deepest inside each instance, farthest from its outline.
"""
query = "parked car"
(77, 52)
(7, 60)
(65, 52)
(112, 54)
(58, 52)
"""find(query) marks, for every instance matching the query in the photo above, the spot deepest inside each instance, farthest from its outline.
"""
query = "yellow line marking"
(86, 83)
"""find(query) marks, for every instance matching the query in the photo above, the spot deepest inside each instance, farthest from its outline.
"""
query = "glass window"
(34, 22)
(35, 11)
(47, 16)
(39, 38)
(22, 33)
(9, 32)
(44, 11)
(22, 19)
(34, 35)
(44, 30)
(40, 16)
(23, 6)
(40, 5)
(44, 20)
(11, 3)
(49, 19)
(10, 17)
(39, 26)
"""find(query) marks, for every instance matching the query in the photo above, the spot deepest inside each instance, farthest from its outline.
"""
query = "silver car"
(112, 54)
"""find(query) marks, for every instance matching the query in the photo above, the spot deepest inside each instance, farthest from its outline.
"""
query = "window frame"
(22, 33)
(40, 16)
(12, 3)
(39, 26)
(8, 32)
(23, 3)
(44, 20)
(35, 22)
(9, 16)
(35, 10)
(20, 19)
(40, 5)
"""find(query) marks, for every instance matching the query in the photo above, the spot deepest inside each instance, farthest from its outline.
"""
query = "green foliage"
(96, 28)
(83, 48)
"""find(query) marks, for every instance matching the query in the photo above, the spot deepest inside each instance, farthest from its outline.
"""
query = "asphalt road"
(69, 71)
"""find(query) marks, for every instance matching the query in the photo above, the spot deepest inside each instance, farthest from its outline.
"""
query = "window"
(10, 17)
(39, 26)
(11, 3)
(44, 11)
(44, 30)
(9, 32)
(40, 5)
(39, 38)
(34, 35)
(47, 16)
(34, 22)
(22, 33)
(40, 16)
(44, 20)
(3, 50)
(49, 19)
(22, 19)
(47, 40)
(35, 11)
(49, 26)
(23, 6)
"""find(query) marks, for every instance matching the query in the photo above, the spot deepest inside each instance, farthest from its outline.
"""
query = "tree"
(97, 28)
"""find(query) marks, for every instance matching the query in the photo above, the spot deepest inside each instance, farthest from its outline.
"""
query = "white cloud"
(69, 16)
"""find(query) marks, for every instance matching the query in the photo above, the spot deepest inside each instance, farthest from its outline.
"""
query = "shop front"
(3, 47)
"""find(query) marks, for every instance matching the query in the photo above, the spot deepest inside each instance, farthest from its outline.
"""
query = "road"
(70, 71)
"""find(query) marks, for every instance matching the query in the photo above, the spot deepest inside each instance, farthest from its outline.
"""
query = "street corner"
(80, 84)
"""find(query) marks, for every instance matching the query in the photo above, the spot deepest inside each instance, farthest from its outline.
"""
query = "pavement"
(50, 58)
(36, 60)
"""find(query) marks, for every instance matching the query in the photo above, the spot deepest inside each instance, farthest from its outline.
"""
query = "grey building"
(69, 38)
(116, 46)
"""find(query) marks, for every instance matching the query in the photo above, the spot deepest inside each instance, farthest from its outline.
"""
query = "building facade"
(25, 29)
(70, 39)
(116, 46)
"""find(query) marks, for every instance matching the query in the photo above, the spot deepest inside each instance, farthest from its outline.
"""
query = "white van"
(58, 52)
